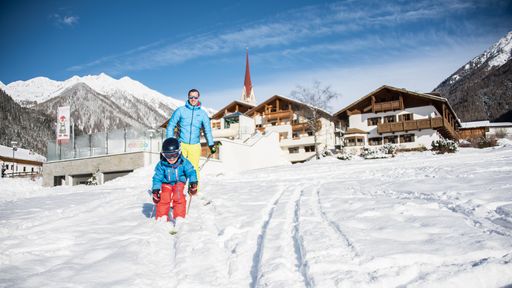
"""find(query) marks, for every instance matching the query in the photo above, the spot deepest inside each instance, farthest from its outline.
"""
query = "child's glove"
(156, 196)
(192, 189)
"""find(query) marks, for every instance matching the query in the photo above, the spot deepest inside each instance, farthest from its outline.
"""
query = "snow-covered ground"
(416, 220)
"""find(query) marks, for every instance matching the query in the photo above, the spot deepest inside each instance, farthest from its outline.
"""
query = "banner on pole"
(63, 124)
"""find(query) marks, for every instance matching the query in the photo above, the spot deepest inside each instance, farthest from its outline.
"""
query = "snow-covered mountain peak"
(501, 51)
(40, 89)
(495, 56)
(37, 89)
(126, 78)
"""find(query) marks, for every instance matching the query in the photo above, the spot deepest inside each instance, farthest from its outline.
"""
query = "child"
(169, 180)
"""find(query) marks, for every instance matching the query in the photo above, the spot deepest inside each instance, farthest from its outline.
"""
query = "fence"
(104, 143)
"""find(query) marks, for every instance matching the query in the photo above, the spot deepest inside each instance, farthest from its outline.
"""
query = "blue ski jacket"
(173, 173)
(190, 119)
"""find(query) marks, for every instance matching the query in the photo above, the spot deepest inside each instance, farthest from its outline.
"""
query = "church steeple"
(248, 92)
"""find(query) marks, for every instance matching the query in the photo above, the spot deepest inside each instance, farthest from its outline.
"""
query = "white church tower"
(248, 92)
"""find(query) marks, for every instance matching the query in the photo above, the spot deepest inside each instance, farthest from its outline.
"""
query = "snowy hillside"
(94, 112)
(416, 220)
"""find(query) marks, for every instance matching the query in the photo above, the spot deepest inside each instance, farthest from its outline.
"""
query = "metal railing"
(104, 143)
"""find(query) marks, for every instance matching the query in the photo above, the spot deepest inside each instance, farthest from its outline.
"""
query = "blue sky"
(172, 46)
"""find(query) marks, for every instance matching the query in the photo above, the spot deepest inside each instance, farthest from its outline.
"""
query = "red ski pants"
(175, 194)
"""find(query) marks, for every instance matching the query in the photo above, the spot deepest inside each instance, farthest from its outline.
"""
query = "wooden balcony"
(283, 114)
(411, 125)
(437, 123)
(299, 126)
(387, 106)
(305, 126)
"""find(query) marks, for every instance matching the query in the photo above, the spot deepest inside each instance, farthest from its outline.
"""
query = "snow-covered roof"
(501, 124)
(355, 131)
(288, 99)
(22, 154)
(306, 104)
(485, 123)
(232, 103)
(474, 124)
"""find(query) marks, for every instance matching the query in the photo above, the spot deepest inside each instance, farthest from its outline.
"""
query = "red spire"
(247, 82)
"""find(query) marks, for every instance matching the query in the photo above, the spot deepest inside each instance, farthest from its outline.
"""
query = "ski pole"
(207, 158)
(210, 156)
(154, 205)
(189, 202)
(152, 212)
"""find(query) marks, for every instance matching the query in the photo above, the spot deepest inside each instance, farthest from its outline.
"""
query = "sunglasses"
(171, 155)
(193, 97)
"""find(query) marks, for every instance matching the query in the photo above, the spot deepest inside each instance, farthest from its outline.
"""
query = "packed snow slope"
(416, 220)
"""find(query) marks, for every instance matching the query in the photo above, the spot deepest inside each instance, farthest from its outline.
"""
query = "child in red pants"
(171, 175)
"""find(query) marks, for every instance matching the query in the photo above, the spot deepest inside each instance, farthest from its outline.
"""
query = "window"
(389, 119)
(295, 135)
(375, 141)
(391, 139)
(310, 148)
(24, 169)
(406, 138)
(32, 170)
(215, 125)
(310, 133)
(293, 150)
(373, 121)
(354, 141)
(283, 135)
(405, 117)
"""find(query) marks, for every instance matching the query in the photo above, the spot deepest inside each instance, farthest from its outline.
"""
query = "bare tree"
(316, 99)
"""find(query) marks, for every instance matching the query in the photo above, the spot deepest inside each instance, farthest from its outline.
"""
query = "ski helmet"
(171, 148)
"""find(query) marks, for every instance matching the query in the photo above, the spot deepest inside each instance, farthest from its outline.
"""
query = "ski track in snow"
(418, 220)
(268, 267)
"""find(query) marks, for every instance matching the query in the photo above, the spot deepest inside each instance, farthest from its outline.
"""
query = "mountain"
(94, 112)
(29, 127)
(130, 101)
(40, 89)
(482, 88)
